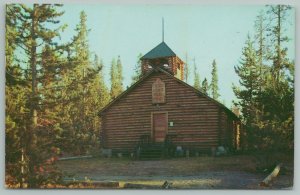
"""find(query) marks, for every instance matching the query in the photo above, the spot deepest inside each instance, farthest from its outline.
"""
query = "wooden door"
(159, 126)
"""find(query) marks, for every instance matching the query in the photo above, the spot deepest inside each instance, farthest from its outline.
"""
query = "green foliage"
(205, 86)
(137, 70)
(196, 78)
(29, 137)
(83, 88)
(113, 79)
(53, 93)
(186, 69)
(247, 94)
(214, 87)
(248, 73)
(266, 95)
(116, 78)
(103, 92)
(120, 77)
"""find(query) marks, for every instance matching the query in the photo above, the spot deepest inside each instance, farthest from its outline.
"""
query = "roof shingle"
(161, 50)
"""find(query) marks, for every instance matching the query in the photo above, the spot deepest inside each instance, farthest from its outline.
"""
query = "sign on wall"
(158, 91)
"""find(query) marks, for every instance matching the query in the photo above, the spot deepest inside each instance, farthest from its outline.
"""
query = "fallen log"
(95, 184)
(266, 182)
(165, 185)
(75, 157)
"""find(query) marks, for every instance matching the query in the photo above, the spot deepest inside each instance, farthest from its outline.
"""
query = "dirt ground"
(232, 172)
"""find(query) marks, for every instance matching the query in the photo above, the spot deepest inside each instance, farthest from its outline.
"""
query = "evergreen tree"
(248, 73)
(267, 92)
(119, 76)
(116, 78)
(262, 50)
(196, 77)
(260, 37)
(278, 14)
(205, 86)
(137, 70)
(29, 23)
(11, 43)
(247, 94)
(81, 94)
(103, 95)
(13, 71)
(113, 79)
(214, 81)
(277, 118)
(16, 110)
(186, 69)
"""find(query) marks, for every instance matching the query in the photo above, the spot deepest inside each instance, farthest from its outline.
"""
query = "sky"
(204, 33)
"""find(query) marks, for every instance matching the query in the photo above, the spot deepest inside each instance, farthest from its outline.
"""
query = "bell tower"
(163, 57)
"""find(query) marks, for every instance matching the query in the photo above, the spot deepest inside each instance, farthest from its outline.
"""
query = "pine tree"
(260, 37)
(82, 82)
(11, 43)
(186, 69)
(205, 86)
(16, 110)
(266, 95)
(262, 50)
(137, 70)
(113, 79)
(278, 14)
(196, 77)
(214, 81)
(248, 72)
(116, 78)
(119, 76)
(277, 98)
(103, 93)
(30, 25)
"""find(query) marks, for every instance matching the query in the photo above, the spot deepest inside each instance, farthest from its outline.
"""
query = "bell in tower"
(163, 57)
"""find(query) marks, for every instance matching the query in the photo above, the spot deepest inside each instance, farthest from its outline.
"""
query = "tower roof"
(161, 50)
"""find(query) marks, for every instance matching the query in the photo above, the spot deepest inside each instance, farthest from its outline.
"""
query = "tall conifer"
(196, 77)
(214, 86)
(137, 70)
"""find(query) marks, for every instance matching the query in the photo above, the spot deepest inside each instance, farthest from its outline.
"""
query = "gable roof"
(161, 50)
(178, 80)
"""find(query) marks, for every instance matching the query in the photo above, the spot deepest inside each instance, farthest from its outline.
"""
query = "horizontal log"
(134, 107)
(187, 130)
(147, 119)
(191, 139)
(132, 140)
(203, 146)
(195, 117)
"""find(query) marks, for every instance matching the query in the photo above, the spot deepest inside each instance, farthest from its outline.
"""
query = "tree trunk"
(33, 101)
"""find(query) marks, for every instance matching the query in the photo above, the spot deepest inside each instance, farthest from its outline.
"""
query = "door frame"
(152, 126)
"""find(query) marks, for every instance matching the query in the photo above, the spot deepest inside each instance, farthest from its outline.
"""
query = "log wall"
(199, 122)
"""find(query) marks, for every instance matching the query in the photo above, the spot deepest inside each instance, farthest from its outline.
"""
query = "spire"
(163, 23)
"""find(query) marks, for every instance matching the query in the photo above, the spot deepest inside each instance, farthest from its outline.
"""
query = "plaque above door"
(158, 92)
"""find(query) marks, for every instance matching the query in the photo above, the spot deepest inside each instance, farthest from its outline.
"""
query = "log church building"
(162, 109)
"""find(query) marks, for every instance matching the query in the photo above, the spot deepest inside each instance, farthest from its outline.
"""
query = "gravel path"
(205, 180)
(198, 173)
